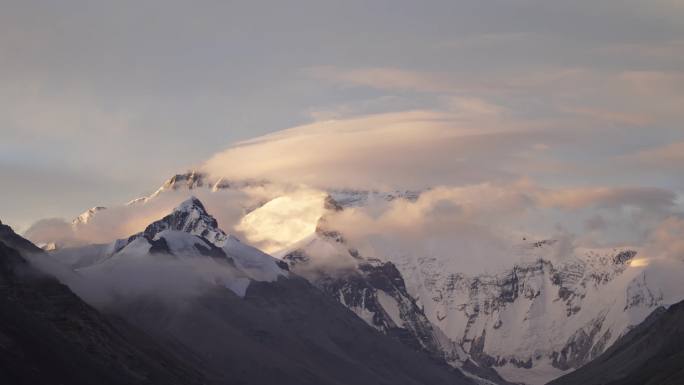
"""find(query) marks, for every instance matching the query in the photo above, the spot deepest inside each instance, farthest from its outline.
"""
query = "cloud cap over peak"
(411, 149)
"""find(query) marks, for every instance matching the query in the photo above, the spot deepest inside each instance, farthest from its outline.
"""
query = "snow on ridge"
(189, 216)
(189, 235)
(87, 215)
(538, 313)
(189, 204)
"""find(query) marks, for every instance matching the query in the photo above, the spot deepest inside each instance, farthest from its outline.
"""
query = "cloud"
(471, 229)
(481, 227)
(662, 50)
(474, 107)
(579, 94)
(162, 277)
(667, 156)
(493, 178)
(283, 220)
(121, 221)
(28, 111)
(55, 230)
(608, 116)
(384, 78)
(667, 240)
(475, 227)
(609, 197)
(412, 149)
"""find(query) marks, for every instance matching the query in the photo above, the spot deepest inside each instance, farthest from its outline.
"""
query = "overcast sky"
(102, 101)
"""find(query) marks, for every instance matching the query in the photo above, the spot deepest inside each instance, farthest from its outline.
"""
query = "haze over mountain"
(49, 335)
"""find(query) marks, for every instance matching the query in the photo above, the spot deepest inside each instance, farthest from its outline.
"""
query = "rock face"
(376, 292)
(346, 198)
(651, 353)
(50, 336)
(196, 180)
(189, 217)
(534, 311)
(188, 236)
(193, 179)
(537, 314)
(86, 216)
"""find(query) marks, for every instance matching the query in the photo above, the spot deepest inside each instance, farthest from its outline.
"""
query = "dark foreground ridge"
(650, 354)
(48, 335)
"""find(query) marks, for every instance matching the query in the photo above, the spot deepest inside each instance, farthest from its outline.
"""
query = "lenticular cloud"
(412, 149)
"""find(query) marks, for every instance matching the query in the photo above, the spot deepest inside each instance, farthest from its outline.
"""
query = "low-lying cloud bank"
(482, 227)
(163, 278)
(477, 226)
(488, 180)
(227, 206)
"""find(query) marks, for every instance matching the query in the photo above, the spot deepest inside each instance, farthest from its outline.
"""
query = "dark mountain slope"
(50, 336)
(285, 332)
(650, 354)
(16, 241)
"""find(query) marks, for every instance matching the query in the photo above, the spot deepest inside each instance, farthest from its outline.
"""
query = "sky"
(102, 101)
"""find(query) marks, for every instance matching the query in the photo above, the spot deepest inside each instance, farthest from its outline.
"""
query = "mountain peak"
(190, 179)
(190, 204)
(191, 217)
(87, 215)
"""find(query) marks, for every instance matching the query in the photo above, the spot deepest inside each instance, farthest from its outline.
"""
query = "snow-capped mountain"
(197, 180)
(188, 232)
(376, 292)
(193, 180)
(87, 215)
(190, 217)
(540, 318)
(357, 198)
(531, 321)
(373, 290)
(270, 326)
(651, 353)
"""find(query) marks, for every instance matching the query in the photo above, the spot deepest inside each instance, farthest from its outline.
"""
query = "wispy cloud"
(576, 198)
(385, 78)
(669, 155)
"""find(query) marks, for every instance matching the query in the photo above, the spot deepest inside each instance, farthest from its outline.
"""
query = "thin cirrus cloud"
(669, 155)
(632, 97)
(384, 78)
(575, 198)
